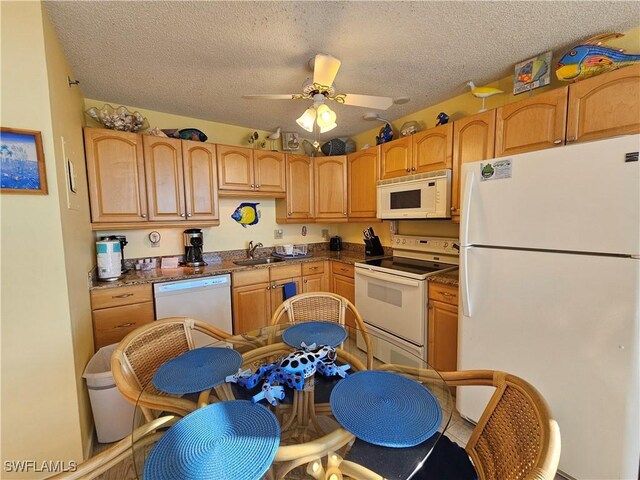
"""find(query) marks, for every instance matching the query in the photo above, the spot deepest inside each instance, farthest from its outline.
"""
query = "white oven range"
(392, 294)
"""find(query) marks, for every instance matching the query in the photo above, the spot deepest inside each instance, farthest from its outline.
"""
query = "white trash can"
(113, 415)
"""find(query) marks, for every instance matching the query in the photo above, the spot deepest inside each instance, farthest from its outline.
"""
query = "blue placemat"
(320, 333)
(197, 370)
(226, 440)
(386, 409)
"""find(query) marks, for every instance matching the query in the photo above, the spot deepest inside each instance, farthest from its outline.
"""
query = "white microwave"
(425, 195)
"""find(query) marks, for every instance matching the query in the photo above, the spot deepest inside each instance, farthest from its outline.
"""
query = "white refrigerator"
(550, 291)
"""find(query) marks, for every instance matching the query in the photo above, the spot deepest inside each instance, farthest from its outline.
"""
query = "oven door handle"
(387, 277)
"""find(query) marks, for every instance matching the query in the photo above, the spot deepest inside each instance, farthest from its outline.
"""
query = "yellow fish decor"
(592, 58)
(246, 214)
(483, 93)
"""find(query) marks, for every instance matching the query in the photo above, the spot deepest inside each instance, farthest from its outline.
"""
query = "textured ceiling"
(198, 58)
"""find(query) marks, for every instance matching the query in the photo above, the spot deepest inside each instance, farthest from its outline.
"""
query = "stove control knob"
(446, 244)
(404, 240)
(397, 240)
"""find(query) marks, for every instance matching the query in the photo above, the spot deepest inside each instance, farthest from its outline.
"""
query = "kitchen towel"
(289, 290)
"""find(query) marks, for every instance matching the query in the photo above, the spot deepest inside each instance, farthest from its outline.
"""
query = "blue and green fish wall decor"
(246, 214)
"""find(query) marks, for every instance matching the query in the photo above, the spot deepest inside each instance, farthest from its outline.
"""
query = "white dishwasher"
(207, 299)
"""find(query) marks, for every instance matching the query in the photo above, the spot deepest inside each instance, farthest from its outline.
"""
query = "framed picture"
(290, 141)
(532, 73)
(22, 167)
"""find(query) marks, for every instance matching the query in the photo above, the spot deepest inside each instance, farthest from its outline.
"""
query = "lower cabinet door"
(277, 292)
(345, 287)
(110, 325)
(442, 347)
(313, 283)
(251, 307)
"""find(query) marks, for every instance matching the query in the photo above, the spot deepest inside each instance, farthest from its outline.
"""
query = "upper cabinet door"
(473, 140)
(362, 175)
(533, 124)
(115, 170)
(269, 171)
(299, 187)
(605, 106)
(235, 168)
(200, 180)
(165, 181)
(396, 158)
(432, 149)
(331, 187)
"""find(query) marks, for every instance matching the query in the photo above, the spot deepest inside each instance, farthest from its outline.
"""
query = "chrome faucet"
(252, 248)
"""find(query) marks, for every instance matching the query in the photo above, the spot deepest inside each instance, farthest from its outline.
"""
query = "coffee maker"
(193, 248)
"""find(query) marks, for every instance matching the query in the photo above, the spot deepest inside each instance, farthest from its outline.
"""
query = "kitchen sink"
(258, 261)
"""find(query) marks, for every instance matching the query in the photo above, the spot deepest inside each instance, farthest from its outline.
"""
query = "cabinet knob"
(253, 185)
(182, 214)
(344, 213)
(453, 209)
(268, 288)
(413, 169)
(557, 141)
(305, 281)
(289, 213)
(257, 186)
(571, 139)
(408, 170)
(144, 215)
(188, 214)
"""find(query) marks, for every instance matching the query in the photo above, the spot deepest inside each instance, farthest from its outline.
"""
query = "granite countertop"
(448, 278)
(217, 267)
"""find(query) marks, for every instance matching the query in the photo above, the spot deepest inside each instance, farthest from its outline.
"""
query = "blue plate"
(197, 370)
(226, 440)
(386, 409)
(320, 333)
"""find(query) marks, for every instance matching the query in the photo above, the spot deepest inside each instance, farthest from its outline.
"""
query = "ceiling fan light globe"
(326, 116)
(324, 129)
(307, 118)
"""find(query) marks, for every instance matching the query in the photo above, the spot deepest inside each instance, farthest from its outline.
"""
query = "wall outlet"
(325, 233)
(277, 233)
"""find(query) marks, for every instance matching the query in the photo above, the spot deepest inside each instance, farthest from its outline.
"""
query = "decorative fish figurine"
(246, 214)
(591, 58)
(443, 118)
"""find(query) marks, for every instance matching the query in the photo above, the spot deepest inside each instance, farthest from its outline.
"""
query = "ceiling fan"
(321, 88)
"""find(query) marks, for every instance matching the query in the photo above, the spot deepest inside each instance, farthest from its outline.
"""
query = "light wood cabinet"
(533, 124)
(269, 171)
(115, 172)
(442, 348)
(473, 140)
(118, 311)
(330, 185)
(165, 178)
(432, 149)
(396, 158)
(342, 283)
(299, 202)
(251, 307)
(181, 179)
(245, 170)
(279, 277)
(362, 175)
(605, 106)
(315, 277)
(200, 180)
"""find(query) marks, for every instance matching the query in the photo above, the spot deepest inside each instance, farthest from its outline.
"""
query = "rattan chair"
(140, 438)
(139, 354)
(323, 306)
(516, 437)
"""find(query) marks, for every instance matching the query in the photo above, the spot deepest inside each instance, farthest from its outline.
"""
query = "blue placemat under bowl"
(225, 440)
(386, 409)
(197, 370)
(320, 333)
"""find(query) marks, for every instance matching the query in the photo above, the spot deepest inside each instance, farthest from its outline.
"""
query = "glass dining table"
(381, 421)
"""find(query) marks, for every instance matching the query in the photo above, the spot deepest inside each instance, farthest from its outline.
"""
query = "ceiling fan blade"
(325, 69)
(368, 101)
(285, 96)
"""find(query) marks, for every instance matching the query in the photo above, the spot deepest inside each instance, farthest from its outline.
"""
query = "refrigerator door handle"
(464, 276)
(466, 208)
